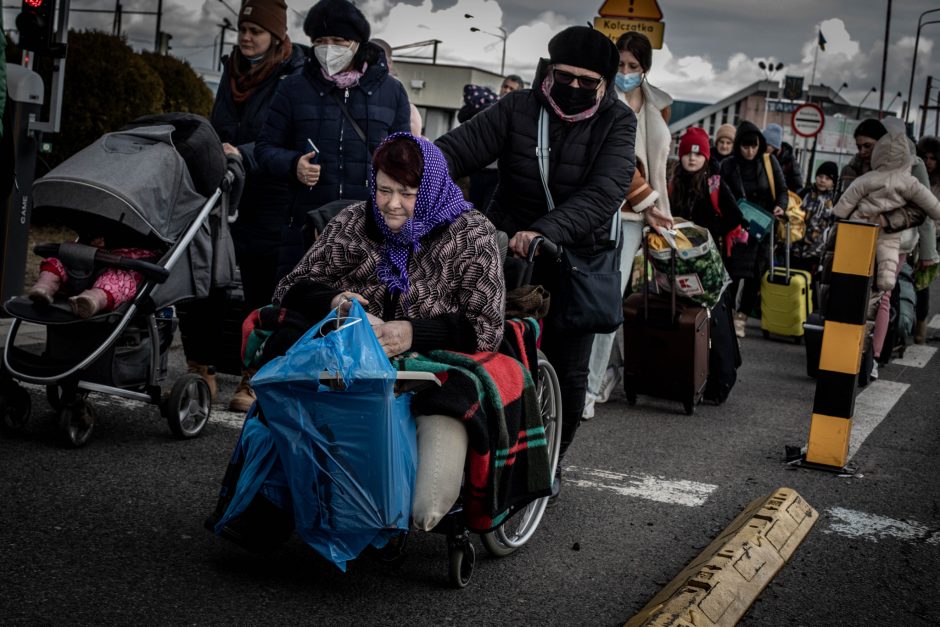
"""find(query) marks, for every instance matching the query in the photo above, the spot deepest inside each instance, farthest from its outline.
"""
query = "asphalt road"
(112, 533)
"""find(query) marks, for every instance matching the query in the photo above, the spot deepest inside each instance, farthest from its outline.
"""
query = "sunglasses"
(566, 78)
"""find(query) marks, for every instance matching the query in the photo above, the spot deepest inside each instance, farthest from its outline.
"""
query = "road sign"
(633, 9)
(808, 120)
(614, 27)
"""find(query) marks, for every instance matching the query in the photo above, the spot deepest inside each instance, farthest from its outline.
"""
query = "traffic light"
(36, 25)
(165, 46)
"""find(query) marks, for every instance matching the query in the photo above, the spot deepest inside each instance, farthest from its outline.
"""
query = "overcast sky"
(711, 46)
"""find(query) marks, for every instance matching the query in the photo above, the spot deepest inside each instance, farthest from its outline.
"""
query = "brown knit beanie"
(271, 15)
(725, 130)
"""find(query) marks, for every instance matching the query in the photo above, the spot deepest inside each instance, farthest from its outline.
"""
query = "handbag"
(758, 220)
(794, 210)
(345, 441)
(686, 257)
(591, 298)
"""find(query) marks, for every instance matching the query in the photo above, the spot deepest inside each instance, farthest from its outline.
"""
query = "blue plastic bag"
(348, 450)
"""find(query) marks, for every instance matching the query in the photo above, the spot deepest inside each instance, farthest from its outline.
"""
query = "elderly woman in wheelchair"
(428, 270)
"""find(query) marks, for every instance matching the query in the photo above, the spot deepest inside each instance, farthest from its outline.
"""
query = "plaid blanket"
(494, 395)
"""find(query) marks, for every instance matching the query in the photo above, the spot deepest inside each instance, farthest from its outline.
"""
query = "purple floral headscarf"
(439, 201)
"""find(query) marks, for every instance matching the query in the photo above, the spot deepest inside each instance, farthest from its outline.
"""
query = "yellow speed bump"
(719, 586)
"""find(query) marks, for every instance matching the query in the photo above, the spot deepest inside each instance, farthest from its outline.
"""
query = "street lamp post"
(769, 71)
(838, 91)
(896, 96)
(858, 114)
(504, 35)
(910, 85)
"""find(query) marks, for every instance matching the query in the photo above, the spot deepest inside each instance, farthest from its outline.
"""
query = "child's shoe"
(89, 302)
(45, 288)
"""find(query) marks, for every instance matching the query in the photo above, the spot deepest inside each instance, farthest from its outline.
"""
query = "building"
(763, 103)
(436, 89)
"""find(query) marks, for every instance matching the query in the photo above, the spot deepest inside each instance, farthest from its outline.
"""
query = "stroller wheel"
(76, 422)
(15, 408)
(54, 395)
(187, 408)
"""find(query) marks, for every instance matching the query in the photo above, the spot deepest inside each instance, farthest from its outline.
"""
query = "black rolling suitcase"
(665, 346)
(724, 355)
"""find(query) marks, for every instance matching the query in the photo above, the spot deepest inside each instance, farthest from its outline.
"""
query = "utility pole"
(923, 115)
(158, 39)
(884, 64)
(116, 25)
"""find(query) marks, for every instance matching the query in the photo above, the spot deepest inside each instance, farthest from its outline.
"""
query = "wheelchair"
(519, 525)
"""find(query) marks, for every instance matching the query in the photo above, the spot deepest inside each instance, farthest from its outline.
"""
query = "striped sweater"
(457, 271)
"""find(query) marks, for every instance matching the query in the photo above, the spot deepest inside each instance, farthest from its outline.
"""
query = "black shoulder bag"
(592, 299)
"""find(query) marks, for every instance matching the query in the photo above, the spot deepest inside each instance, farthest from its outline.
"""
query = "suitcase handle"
(646, 279)
(786, 252)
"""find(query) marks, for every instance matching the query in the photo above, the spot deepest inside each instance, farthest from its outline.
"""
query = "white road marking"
(855, 524)
(934, 322)
(916, 356)
(871, 407)
(659, 489)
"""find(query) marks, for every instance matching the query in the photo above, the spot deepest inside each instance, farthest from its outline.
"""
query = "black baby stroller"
(164, 181)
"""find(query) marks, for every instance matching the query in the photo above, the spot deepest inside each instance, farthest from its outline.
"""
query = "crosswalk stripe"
(916, 356)
(934, 322)
(652, 488)
(871, 407)
(855, 524)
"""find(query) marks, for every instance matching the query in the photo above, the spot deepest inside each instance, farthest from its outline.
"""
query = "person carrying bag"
(592, 301)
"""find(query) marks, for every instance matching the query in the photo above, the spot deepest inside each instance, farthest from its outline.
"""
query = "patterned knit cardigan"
(457, 270)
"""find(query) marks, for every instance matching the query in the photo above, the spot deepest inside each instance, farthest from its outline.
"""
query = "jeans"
(604, 342)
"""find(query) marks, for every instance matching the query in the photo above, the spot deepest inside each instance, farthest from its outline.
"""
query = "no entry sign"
(808, 120)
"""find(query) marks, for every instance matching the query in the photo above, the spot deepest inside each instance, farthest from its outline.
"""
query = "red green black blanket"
(494, 395)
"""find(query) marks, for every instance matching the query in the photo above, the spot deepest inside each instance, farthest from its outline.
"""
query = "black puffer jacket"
(261, 210)
(591, 165)
(305, 106)
(749, 179)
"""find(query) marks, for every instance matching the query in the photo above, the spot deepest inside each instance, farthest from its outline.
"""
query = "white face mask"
(334, 58)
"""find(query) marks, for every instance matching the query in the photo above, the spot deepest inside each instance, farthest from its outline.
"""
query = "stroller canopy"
(134, 177)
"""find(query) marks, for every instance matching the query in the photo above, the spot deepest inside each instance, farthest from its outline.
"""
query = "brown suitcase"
(665, 347)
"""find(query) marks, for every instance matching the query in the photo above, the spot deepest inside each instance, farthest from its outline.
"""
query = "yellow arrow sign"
(614, 27)
(634, 9)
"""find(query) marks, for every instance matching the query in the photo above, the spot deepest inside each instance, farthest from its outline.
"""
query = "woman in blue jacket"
(264, 55)
(325, 121)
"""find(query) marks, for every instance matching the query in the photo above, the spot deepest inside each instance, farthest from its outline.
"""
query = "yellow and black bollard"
(842, 344)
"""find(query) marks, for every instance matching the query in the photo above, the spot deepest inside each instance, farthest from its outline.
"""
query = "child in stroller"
(112, 287)
(160, 190)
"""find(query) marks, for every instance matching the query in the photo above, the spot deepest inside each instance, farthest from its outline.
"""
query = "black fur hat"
(582, 46)
(336, 18)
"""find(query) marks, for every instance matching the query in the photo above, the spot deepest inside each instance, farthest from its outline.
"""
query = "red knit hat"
(695, 140)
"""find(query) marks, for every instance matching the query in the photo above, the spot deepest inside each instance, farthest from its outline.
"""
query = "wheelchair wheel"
(518, 529)
(460, 565)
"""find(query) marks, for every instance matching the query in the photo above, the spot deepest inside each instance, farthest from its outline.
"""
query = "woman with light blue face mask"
(648, 199)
